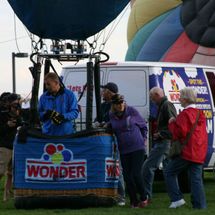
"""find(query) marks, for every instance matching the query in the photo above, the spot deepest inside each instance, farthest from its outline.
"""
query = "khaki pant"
(5, 161)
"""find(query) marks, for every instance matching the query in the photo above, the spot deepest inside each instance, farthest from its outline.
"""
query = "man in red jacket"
(189, 127)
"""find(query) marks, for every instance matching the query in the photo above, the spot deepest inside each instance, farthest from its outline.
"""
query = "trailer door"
(133, 84)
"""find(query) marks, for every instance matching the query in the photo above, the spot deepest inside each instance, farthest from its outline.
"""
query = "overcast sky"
(116, 47)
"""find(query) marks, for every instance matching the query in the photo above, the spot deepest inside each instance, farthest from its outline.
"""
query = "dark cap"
(111, 86)
(13, 97)
(117, 99)
(4, 96)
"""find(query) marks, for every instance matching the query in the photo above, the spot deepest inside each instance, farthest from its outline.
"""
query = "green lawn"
(159, 205)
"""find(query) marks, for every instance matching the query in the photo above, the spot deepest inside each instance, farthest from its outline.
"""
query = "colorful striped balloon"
(155, 33)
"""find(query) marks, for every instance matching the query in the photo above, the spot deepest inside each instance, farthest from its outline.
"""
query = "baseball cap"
(12, 97)
(117, 99)
(111, 86)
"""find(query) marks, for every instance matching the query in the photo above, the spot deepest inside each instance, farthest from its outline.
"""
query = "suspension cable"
(15, 32)
(113, 27)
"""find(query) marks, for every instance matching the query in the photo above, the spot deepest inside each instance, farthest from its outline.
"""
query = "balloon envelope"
(174, 33)
(66, 19)
(198, 19)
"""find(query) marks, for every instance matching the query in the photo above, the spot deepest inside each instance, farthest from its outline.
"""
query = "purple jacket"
(130, 130)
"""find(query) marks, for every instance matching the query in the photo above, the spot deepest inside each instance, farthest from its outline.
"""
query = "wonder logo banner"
(56, 164)
(112, 170)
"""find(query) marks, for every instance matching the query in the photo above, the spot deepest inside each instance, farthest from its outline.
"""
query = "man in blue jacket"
(57, 107)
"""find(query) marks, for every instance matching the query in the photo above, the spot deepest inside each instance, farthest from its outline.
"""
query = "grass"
(159, 205)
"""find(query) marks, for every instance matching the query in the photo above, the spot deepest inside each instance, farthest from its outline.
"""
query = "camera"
(16, 106)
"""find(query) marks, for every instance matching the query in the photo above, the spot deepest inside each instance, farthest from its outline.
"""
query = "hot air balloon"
(77, 170)
(66, 19)
(166, 30)
(61, 20)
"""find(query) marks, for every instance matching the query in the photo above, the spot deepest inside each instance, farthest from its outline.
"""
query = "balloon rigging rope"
(114, 24)
(15, 32)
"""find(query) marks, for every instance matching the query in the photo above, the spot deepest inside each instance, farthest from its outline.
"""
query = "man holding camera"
(10, 119)
(57, 107)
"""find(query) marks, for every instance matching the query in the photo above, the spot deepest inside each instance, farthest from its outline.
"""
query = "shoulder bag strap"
(192, 129)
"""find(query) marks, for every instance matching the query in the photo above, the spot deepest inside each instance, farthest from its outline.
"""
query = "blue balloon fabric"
(66, 19)
(161, 38)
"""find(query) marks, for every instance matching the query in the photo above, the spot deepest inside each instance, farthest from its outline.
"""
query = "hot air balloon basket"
(29, 199)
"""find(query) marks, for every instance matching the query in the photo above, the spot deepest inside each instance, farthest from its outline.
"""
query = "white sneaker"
(121, 203)
(177, 204)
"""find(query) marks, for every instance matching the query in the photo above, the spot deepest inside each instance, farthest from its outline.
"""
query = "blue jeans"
(176, 166)
(156, 156)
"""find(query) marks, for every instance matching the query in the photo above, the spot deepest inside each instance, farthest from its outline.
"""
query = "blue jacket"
(64, 103)
(130, 130)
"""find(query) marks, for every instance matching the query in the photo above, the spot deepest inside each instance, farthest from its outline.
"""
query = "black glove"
(49, 114)
(57, 118)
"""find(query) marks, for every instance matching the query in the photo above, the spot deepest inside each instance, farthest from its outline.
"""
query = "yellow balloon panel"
(143, 11)
(132, 2)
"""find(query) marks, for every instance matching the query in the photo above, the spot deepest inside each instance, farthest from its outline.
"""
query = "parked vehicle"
(135, 79)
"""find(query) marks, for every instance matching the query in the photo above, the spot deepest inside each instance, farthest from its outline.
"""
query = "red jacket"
(196, 148)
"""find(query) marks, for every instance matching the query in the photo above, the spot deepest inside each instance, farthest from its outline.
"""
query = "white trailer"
(135, 79)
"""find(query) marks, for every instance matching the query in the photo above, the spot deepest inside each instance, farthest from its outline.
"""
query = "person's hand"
(156, 136)
(96, 124)
(100, 124)
(11, 123)
(172, 119)
(57, 118)
(49, 114)
(103, 125)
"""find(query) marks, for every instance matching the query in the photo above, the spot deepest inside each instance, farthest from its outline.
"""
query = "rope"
(14, 25)
(112, 29)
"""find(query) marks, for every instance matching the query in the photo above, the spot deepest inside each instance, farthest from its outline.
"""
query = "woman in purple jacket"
(131, 132)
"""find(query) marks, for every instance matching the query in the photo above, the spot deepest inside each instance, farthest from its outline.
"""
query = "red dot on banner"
(50, 149)
(60, 147)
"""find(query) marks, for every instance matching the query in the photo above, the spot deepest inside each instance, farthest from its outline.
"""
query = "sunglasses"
(118, 102)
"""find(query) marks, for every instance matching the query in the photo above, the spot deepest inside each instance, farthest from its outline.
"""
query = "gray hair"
(157, 90)
(189, 94)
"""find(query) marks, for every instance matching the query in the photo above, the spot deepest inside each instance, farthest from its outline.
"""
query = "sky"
(12, 28)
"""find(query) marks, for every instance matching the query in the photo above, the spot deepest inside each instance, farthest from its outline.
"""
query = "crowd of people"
(131, 132)
(58, 108)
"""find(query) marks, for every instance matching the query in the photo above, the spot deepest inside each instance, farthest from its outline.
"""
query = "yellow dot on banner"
(57, 158)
